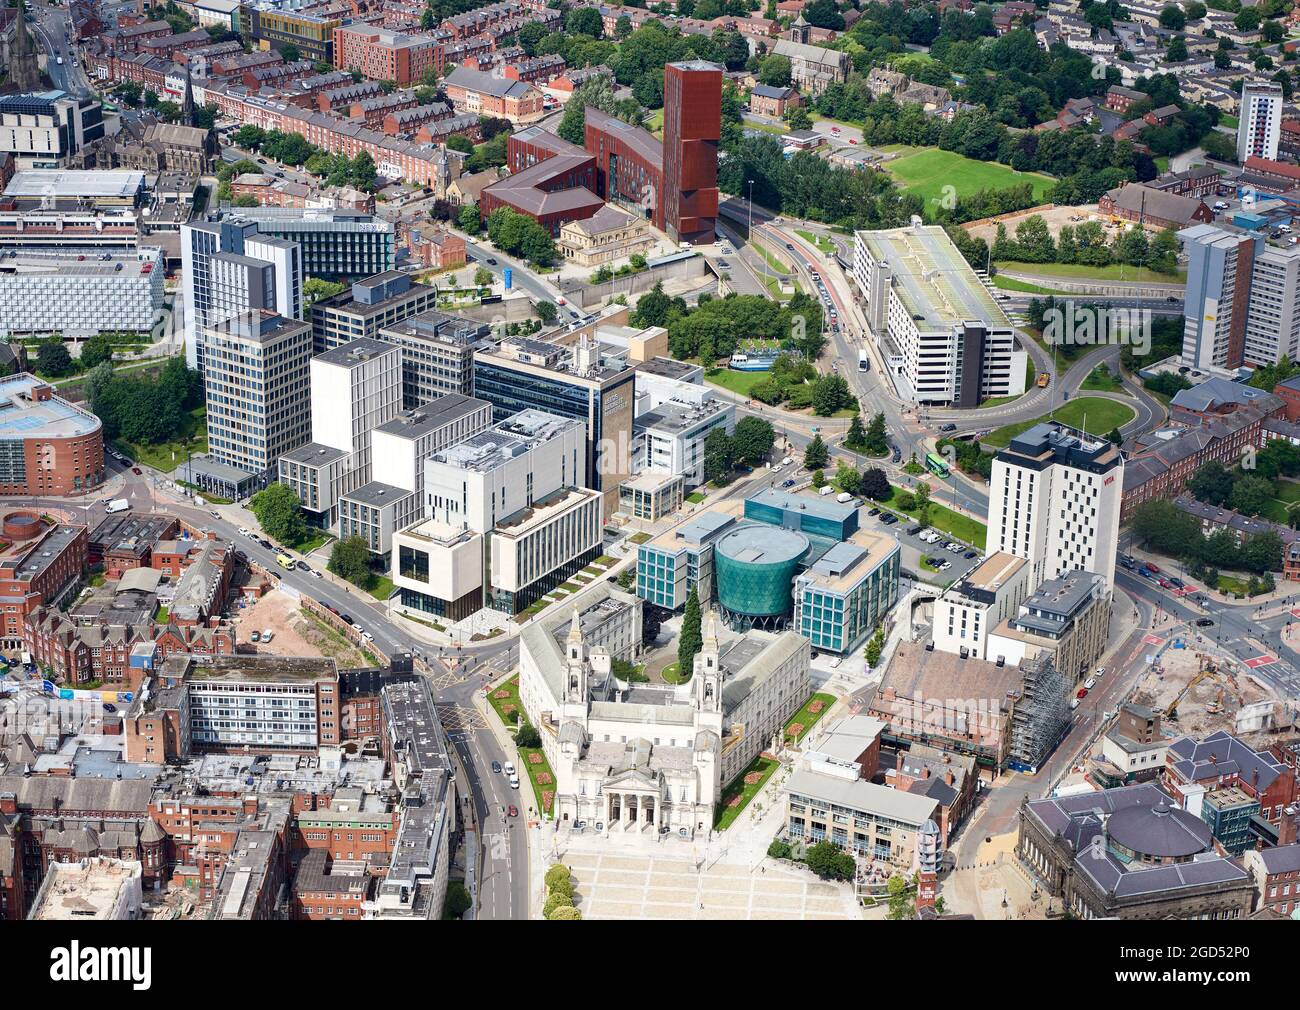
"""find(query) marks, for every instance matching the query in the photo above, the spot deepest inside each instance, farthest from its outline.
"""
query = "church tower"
(187, 102)
(575, 691)
(24, 71)
(706, 673)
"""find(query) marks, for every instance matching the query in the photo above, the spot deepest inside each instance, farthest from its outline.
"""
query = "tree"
(719, 457)
(1211, 483)
(350, 560)
(289, 53)
(875, 484)
(279, 512)
(653, 307)
(528, 736)
(856, 438)
(1173, 18)
(816, 456)
(468, 219)
(97, 350)
(457, 900)
(752, 440)
(848, 479)
(597, 93)
(819, 479)
(901, 905)
(775, 71)
(546, 311)
(53, 359)
(830, 394)
(482, 277)
(1115, 436)
(1251, 495)
(314, 289)
(877, 442)
(691, 640)
(829, 862)
(875, 647)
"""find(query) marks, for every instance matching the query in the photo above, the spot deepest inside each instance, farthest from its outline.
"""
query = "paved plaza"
(642, 886)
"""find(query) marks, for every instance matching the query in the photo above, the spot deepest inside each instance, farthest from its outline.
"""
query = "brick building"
(52, 447)
(41, 563)
(384, 55)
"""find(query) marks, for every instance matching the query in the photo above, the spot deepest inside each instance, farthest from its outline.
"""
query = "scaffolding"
(1041, 717)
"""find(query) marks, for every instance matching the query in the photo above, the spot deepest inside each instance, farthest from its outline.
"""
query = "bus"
(862, 360)
(935, 464)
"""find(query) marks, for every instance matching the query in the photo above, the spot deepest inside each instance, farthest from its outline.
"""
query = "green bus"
(935, 464)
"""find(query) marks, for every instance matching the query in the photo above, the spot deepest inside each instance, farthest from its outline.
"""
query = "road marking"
(1258, 661)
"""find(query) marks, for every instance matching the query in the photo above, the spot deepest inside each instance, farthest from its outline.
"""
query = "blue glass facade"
(840, 620)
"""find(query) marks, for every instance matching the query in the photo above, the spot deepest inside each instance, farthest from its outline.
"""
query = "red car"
(1165, 584)
(136, 470)
(1152, 566)
(1081, 693)
(513, 811)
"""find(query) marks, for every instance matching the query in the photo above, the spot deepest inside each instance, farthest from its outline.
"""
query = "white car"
(1074, 703)
(243, 532)
(1090, 683)
(1100, 671)
(357, 628)
(215, 514)
(316, 574)
(367, 636)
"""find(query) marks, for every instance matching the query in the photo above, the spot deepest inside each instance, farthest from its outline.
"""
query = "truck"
(1043, 379)
(117, 505)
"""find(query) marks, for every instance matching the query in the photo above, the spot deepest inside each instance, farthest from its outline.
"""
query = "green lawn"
(738, 793)
(655, 122)
(1080, 271)
(1093, 414)
(314, 540)
(740, 383)
(383, 588)
(822, 243)
(798, 725)
(696, 497)
(944, 519)
(1103, 382)
(672, 674)
(1229, 121)
(167, 456)
(926, 171)
(1015, 284)
(509, 704)
(638, 538)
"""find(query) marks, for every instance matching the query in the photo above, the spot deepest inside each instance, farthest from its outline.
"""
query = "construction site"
(1199, 693)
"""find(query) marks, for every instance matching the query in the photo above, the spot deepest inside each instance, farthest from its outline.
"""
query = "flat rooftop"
(100, 263)
(932, 279)
(356, 352)
(313, 454)
(847, 563)
(505, 440)
(674, 418)
(865, 797)
(83, 184)
(431, 416)
(821, 506)
(994, 572)
(376, 494)
(234, 669)
(22, 415)
(698, 531)
(525, 520)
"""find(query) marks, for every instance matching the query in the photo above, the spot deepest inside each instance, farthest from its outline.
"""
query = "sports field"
(927, 170)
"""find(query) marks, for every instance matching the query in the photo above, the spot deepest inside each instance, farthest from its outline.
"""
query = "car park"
(889, 519)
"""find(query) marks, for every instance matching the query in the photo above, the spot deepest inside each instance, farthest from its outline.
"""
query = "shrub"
(778, 850)
(555, 901)
(557, 873)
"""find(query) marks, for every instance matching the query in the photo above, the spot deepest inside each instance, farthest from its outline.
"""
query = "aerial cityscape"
(695, 460)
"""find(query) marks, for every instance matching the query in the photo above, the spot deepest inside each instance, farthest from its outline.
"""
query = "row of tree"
(141, 409)
(1087, 244)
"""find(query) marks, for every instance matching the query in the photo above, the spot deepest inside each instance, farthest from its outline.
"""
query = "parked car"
(969, 554)
(496, 767)
(1090, 683)
(267, 635)
(1101, 672)
(1081, 693)
(316, 575)
(302, 566)
(1074, 703)
(948, 427)
(136, 470)
(256, 636)
(1153, 566)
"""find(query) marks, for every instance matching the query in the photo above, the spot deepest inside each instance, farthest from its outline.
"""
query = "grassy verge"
(672, 674)
(1081, 271)
(504, 700)
(743, 788)
(823, 244)
(167, 456)
(1093, 414)
(1103, 382)
(740, 383)
(798, 725)
(944, 519)
(1015, 284)
(382, 588)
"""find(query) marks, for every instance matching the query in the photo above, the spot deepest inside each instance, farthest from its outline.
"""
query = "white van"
(514, 781)
(509, 769)
(825, 490)
(267, 635)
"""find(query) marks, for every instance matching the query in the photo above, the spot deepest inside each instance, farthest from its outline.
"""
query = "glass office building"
(755, 567)
(840, 599)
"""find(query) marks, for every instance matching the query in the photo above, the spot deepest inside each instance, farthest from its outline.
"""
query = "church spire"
(188, 115)
(24, 72)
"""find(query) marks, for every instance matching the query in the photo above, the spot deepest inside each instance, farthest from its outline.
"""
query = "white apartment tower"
(257, 366)
(1054, 500)
(1259, 122)
(228, 269)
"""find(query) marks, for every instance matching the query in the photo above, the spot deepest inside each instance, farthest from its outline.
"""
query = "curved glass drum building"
(754, 566)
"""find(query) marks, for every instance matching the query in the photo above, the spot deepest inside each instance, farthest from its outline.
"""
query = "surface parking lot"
(635, 886)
